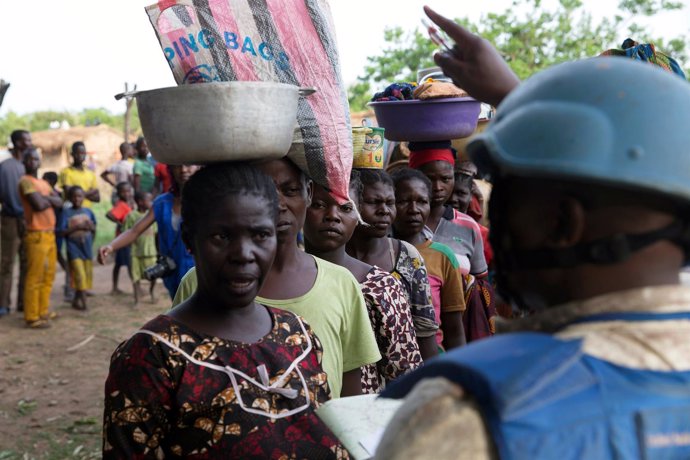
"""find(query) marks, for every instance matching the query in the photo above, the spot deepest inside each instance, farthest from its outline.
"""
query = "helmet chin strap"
(610, 250)
(604, 251)
(614, 249)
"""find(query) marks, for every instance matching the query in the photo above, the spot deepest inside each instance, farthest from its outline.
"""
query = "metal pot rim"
(205, 87)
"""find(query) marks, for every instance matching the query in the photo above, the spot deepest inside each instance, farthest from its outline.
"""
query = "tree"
(39, 121)
(529, 36)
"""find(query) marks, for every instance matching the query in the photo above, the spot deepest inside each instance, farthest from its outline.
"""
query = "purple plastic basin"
(431, 120)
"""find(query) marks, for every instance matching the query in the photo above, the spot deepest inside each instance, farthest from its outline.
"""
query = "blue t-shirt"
(79, 245)
(170, 241)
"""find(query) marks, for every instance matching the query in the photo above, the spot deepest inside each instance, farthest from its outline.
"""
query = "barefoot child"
(78, 225)
(221, 375)
(143, 250)
(117, 214)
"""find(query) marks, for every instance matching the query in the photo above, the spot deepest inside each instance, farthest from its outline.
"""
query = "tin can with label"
(372, 154)
(358, 139)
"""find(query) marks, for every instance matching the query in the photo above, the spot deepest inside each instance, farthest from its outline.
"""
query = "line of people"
(374, 294)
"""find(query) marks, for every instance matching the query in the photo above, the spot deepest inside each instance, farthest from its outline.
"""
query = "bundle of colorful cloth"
(395, 92)
(646, 52)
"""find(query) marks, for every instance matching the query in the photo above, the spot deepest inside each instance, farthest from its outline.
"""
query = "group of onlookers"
(41, 215)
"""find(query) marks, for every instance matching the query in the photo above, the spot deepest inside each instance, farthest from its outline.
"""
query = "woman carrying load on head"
(327, 228)
(221, 375)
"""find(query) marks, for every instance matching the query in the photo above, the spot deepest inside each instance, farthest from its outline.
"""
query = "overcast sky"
(72, 54)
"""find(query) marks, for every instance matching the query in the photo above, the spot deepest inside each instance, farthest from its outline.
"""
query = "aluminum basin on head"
(219, 121)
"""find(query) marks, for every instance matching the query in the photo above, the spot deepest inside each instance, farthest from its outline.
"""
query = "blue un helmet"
(606, 121)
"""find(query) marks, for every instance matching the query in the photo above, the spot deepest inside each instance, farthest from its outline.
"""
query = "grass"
(26, 407)
(78, 447)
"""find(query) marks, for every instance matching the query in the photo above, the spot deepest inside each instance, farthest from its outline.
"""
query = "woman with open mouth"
(327, 229)
(221, 375)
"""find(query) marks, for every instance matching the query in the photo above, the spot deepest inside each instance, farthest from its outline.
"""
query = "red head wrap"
(418, 158)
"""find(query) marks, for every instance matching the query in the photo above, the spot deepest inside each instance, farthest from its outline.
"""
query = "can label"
(371, 155)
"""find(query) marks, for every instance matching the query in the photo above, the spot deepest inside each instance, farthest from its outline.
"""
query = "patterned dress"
(480, 296)
(411, 272)
(159, 403)
(389, 313)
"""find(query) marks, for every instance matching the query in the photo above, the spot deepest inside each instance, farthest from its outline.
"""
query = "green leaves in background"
(530, 37)
(39, 121)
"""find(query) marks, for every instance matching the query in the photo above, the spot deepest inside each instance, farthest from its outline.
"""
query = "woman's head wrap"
(422, 153)
(648, 53)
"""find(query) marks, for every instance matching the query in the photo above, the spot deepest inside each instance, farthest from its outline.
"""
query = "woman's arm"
(392, 322)
(452, 304)
(352, 383)
(474, 65)
(128, 237)
(453, 330)
(427, 346)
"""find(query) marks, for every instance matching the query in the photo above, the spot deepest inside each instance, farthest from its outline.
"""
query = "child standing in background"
(78, 225)
(144, 178)
(143, 250)
(117, 214)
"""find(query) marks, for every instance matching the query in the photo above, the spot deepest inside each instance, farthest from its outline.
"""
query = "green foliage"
(39, 121)
(404, 54)
(529, 36)
(26, 407)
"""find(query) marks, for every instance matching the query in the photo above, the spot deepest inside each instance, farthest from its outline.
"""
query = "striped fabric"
(286, 41)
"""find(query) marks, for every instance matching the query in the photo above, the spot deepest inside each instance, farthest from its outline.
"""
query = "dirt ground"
(51, 381)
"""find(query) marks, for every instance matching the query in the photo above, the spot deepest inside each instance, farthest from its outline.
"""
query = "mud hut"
(102, 146)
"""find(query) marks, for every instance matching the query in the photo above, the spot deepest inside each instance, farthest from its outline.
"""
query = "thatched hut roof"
(102, 144)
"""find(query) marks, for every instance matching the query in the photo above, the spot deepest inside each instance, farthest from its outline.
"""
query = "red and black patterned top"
(159, 404)
(391, 320)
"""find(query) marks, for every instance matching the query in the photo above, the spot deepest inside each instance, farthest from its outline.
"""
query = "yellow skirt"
(82, 274)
